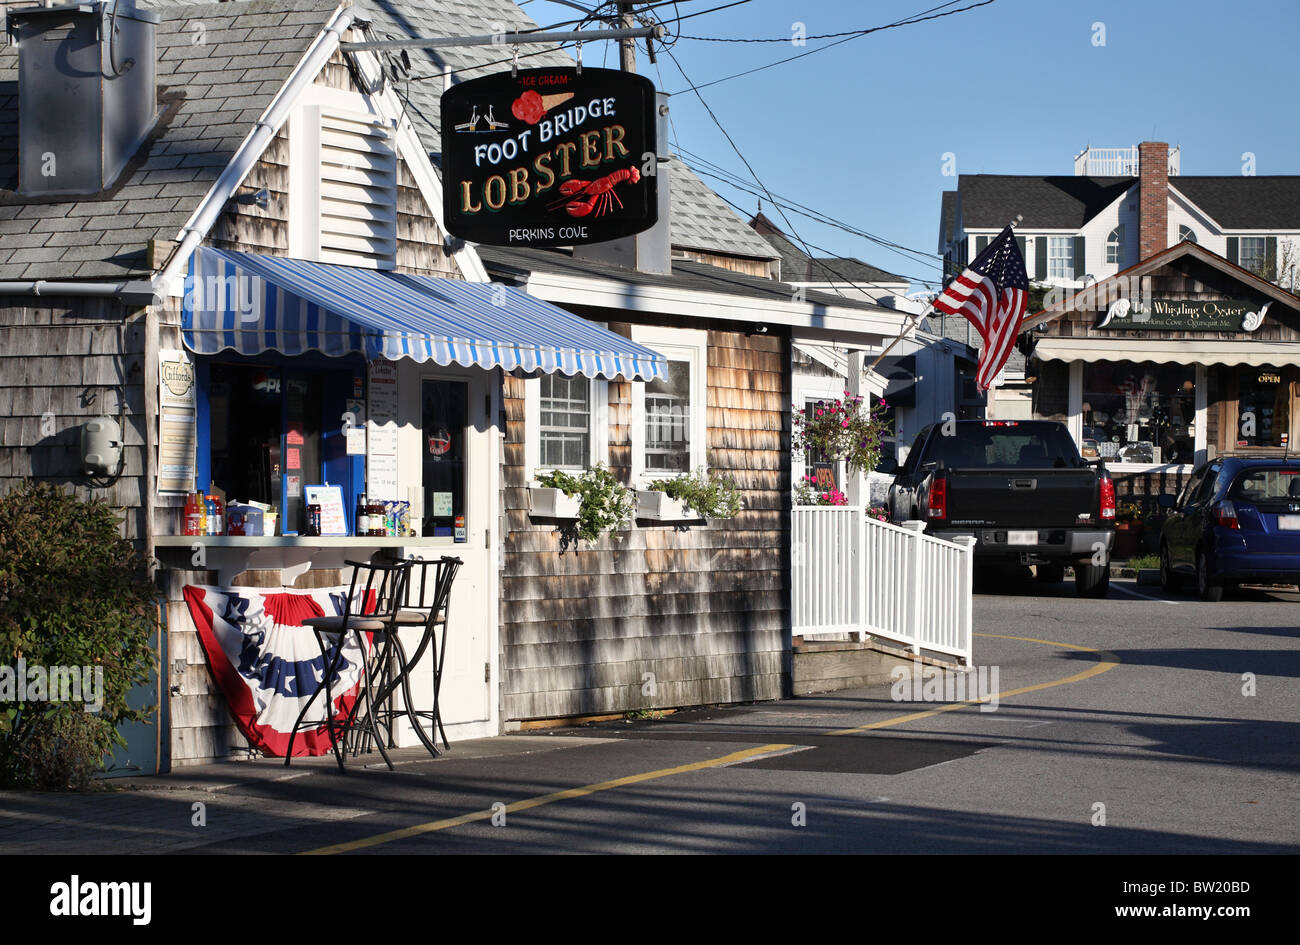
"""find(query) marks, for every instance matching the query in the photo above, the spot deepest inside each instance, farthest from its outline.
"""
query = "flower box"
(658, 507)
(545, 502)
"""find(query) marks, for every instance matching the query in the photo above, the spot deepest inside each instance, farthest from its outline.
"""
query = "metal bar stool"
(426, 603)
(375, 593)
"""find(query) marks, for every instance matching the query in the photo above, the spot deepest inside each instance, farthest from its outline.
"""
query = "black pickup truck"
(1020, 488)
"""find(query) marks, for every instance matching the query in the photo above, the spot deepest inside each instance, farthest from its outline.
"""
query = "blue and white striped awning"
(249, 304)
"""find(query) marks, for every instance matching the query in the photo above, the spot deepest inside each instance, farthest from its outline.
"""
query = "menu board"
(381, 431)
(177, 431)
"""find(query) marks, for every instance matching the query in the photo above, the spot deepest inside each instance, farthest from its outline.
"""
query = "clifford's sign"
(548, 157)
(1193, 315)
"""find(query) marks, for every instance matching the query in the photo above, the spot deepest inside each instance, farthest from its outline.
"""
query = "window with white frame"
(1060, 257)
(566, 423)
(1186, 234)
(668, 414)
(1114, 245)
(1253, 253)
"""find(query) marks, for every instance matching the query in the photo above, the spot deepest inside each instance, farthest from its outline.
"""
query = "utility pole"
(626, 46)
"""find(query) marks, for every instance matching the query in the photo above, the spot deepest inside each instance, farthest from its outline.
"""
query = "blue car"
(1237, 521)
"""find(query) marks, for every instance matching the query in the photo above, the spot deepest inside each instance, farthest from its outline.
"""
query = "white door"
(449, 461)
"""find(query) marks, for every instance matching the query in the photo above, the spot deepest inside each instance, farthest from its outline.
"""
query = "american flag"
(993, 294)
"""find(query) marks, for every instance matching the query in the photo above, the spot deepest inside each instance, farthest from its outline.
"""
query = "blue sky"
(859, 132)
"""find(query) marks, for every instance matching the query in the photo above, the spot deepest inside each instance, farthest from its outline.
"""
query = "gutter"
(198, 225)
(139, 291)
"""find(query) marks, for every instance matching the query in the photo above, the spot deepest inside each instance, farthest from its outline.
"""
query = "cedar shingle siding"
(703, 608)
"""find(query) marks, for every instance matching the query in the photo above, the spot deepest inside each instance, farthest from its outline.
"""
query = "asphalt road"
(1130, 709)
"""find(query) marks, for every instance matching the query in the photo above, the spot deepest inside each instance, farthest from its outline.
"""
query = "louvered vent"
(358, 192)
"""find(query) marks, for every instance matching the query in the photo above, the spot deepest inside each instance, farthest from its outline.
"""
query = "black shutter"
(1020, 241)
(1040, 257)
(1079, 268)
(1270, 259)
(981, 243)
(1232, 249)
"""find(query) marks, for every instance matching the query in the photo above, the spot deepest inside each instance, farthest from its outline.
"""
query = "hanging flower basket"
(842, 429)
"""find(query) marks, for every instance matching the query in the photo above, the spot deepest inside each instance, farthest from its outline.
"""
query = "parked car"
(1236, 521)
(1020, 488)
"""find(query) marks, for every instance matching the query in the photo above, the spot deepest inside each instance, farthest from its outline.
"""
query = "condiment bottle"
(363, 515)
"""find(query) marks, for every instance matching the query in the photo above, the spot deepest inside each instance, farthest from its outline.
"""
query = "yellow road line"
(1108, 660)
(749, 754)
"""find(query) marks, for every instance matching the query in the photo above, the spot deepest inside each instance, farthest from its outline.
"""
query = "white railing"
(1116, 162)
(854, 574)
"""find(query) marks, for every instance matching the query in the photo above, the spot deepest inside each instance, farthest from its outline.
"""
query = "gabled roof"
(1103, 288)
(702, 220)
(212, 93)
(1238, 203)
(798, 267)
(991, 201)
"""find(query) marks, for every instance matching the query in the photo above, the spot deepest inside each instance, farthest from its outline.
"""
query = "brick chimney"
(1153, 198)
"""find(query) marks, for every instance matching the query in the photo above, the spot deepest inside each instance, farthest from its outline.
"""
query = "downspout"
(308, 68)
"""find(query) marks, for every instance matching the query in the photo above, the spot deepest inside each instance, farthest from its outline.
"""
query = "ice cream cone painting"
(533, 106)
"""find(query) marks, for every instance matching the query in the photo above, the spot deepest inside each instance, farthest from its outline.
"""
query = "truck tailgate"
(1029, 498)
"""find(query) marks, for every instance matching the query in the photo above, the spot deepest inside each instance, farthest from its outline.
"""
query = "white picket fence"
(854, 574)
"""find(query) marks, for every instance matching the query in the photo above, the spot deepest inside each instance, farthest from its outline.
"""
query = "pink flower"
(819, 413)
(845, 423)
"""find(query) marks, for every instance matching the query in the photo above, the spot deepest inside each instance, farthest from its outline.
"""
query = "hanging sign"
(549, 157)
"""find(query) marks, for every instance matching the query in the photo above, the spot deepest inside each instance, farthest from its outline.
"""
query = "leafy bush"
(710, 495)
(606, 504)
(73, 593)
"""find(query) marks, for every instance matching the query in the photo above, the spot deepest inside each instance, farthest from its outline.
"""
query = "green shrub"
(73, 593)
(710, 495)
(606, 504)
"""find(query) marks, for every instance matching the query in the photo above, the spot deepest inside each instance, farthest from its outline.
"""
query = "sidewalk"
(157, 814)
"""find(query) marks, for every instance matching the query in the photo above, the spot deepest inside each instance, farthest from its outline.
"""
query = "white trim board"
(815, 321)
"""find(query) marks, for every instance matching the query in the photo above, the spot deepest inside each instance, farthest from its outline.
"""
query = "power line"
(708, 169)
(754, 174)
(918, 18)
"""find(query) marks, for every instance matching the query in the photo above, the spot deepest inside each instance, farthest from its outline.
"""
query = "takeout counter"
(231, 555)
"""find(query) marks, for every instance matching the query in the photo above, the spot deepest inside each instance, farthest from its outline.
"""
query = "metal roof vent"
(86, 93)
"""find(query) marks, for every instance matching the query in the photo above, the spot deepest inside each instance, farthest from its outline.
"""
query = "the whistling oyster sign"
(549, 157)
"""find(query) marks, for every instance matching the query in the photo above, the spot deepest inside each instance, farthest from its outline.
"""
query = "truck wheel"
(1053, 573)
(1209, 592)
(1091, 580)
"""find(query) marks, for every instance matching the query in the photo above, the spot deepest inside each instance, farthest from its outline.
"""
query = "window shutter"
(358, 192)
(1080, 263)
(981, 244)
(1040, 257)
(1020, 241)
(1232, 249)
(1270, 258)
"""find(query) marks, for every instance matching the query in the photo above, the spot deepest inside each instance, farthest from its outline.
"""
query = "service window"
(271, 430)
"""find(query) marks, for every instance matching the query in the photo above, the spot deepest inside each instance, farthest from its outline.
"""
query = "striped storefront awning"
(249, 304)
